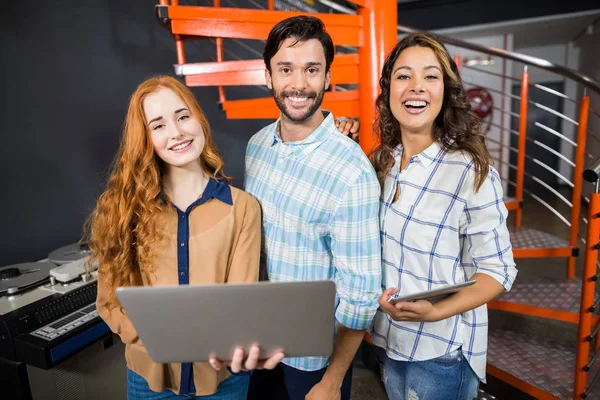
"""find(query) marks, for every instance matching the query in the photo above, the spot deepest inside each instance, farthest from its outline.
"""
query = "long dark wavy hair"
(456, 127)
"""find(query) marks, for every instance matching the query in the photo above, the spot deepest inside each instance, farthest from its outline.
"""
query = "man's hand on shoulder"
(348, 127)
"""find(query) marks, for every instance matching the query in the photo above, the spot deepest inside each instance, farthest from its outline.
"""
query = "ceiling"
(533, 32)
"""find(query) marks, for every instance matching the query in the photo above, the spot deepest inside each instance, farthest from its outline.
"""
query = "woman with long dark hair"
(443, 221)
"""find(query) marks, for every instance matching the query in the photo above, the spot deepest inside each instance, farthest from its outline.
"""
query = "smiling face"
(177, 135)
(298, 79)
(416, 90)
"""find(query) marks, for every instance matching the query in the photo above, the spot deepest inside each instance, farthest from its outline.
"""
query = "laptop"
(191, 323)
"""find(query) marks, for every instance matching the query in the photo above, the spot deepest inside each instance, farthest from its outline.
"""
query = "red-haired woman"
(169, 217)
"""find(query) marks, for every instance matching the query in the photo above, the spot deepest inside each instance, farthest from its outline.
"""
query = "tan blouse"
(223, 246)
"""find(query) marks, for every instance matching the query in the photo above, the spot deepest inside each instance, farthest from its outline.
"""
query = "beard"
(280, 101)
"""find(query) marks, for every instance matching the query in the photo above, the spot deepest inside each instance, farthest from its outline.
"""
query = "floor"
(366, 385)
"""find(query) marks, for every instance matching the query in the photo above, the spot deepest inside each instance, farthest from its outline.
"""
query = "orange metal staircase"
(543, 368)
(372, 30)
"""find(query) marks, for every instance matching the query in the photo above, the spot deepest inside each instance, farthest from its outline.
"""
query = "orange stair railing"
(586, 333)
(372, 30)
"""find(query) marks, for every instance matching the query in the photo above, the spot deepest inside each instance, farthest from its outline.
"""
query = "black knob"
(8, 273)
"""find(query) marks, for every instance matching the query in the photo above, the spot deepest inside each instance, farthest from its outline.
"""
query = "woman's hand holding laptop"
(240, 363)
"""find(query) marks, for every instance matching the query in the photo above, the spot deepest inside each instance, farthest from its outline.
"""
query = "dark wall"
(68, 69)
(441, 14)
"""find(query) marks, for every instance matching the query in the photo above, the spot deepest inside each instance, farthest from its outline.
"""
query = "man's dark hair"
(300, 28)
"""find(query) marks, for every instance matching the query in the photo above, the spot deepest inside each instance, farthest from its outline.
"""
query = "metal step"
(532, 243)
(540, 367)
(511, 203)
(545, 298)
(339, 103)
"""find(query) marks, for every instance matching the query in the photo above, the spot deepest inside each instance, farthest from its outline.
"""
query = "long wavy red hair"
(123, 231)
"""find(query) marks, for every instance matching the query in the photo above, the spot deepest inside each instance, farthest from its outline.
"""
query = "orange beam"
(339, 103)
(522, 143)
(180, 50)
(519, 384)
(344, 70)
(368, 68)
(457, 61)
(584, 106)
(219, 45)
(511, 205)
(379, 22)
(542, 253)
(254, 24)
(587, 292)
(547, 313)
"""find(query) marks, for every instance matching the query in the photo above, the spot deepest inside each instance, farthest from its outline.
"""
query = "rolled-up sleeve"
(356, 251)
(487, 248)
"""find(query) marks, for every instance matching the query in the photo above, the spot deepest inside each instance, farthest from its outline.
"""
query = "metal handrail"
(512, 96)
(538, 199)
(554, 92)
(555, 133)
(504, 128)
(337, 7)
(548, 207)
(483, 71)
(535, 160)
(551, 111)
(586, 80)
(533, 85)
(538, 143)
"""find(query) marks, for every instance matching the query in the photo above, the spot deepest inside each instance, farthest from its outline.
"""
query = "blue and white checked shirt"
(439, 232)
(320, 204)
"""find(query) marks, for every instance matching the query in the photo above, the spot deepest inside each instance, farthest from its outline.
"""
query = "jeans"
(233, 388)
(298, 383)
(448, 377)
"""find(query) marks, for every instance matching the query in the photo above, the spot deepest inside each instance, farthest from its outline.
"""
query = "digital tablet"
(191, 323)
(431, 294)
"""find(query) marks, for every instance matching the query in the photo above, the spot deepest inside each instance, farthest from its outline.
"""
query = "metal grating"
(544, 363)
(528, 238)
(563, 295)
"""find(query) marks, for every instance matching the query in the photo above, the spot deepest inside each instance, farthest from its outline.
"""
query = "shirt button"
(182, 216)
(182, 273)
(182, 244)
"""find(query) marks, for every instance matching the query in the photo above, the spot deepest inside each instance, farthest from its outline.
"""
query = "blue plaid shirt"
(320, 204)
(440, 232)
